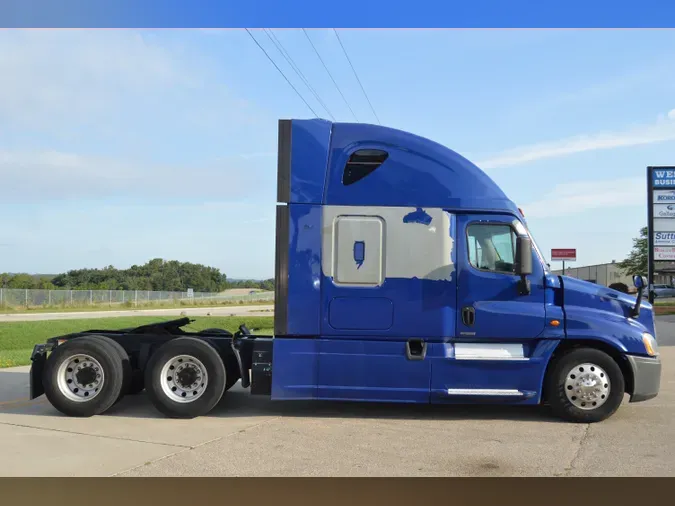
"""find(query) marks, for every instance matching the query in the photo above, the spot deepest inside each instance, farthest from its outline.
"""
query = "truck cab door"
(489, 303)
(495, 350)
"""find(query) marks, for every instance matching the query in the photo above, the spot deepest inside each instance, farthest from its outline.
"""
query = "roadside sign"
(566, 255)
(664, 238)
(660, 221)
(664, 210)
(664, 253)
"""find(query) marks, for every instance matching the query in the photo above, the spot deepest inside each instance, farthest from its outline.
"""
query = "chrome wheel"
(587, 386)
(184, 379)
(80, 378)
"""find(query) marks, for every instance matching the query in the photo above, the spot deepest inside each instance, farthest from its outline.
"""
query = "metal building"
(606, 274)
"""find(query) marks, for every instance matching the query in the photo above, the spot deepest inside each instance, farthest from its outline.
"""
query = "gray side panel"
(370, 270)
(411, 248)
(284, 162)
(281, 271)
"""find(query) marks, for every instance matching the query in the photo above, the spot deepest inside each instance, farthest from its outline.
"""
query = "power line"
(331, 75)
(290, 61)
(356, 75)
(280, 71)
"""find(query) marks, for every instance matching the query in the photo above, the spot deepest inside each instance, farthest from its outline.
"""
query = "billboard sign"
(664, 196)
(663, 177)
(660, 221)
(566, 255)
(664, 239)
(664, 210)
(664, 253)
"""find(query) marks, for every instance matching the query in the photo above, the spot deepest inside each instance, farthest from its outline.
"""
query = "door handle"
(468, 316)
(415, 349)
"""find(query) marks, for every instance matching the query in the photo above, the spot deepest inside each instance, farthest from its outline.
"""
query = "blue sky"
(117, 146)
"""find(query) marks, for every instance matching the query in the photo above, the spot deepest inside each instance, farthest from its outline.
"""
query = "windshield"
(522, 230)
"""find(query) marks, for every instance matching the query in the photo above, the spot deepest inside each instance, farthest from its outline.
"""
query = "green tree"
(636, 264)
(157, 274)
(21, 281)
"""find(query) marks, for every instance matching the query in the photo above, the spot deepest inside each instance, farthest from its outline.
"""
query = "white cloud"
(72, 75)
(83, 114)
(53, 175)
(581, 196)
(64, 80)
(661, 131)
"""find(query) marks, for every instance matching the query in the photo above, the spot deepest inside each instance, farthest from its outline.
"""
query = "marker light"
(555, 323)
(521, 212)
(650, 343)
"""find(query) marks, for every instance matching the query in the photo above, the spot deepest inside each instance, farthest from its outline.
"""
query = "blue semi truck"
(403, 274)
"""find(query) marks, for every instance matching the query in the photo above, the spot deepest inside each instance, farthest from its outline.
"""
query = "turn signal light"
(555, 323)
(650, 344)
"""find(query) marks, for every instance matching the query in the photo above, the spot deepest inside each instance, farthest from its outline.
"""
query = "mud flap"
(38, 359)
(245, 380)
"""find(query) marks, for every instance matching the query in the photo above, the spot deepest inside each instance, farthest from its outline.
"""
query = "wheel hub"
(587, 386)
(85, 376)
(187, 375)
(80, 378)
(184, 379)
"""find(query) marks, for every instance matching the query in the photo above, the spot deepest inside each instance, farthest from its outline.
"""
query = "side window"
(362, 163)
(492, 247)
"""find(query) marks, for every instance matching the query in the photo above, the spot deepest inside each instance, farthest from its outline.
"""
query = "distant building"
(606, 274)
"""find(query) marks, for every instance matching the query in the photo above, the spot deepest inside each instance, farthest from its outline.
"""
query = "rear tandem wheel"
(83, 377)
(185, 378)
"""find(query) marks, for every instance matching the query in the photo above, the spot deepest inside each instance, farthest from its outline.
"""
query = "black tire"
(126, 364)
(111, 365)
(564, 365)
(214, 389)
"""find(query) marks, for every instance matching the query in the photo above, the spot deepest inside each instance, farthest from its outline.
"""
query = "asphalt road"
(255, 310)
(249, 436)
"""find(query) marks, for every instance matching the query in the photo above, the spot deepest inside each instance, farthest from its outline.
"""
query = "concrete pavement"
(249, 436)
(665, 330)
(251, 310)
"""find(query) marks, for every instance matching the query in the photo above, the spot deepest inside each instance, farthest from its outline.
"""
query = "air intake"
(362, 163)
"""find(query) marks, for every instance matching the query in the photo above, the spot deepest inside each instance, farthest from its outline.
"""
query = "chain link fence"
(20, 298)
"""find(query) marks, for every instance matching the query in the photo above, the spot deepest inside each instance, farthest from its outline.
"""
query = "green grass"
(18, 338)
(130, 306)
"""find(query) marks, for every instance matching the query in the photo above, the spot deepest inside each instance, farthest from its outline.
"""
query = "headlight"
(650, 343)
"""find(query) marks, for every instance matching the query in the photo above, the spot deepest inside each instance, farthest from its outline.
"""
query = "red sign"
(569, 255)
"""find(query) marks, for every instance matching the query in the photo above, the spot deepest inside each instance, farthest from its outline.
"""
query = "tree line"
(155, 275)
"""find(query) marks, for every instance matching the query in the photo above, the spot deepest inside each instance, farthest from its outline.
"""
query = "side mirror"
(523, 267)
(523, 256)
(639, 282)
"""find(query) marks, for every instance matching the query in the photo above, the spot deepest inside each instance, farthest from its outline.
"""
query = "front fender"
(620, 332)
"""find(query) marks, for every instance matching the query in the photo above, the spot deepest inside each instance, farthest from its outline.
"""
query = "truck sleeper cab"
(403, 274)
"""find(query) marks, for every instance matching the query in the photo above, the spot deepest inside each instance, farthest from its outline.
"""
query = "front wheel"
(185, 378)
(585, 385)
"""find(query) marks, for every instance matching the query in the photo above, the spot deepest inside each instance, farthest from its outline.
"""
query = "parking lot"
(248, 436)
